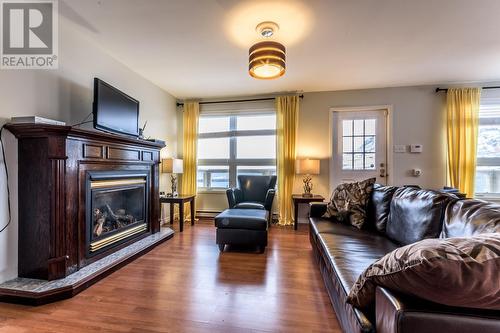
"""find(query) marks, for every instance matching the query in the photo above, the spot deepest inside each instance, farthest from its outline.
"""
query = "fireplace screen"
(118, 209)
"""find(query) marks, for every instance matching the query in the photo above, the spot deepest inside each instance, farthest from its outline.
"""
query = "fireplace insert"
(116, 208)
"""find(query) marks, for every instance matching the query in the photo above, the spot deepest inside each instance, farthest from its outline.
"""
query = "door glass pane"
(256, 170)
(347, 161)
(358, 144)
(359, 137)
(370, 126)
(213, 176)
(358, 161)
(256, 147)
(369, 144)
(358, 127)
(256, 122)
(213, 124)
(213, 148)
(347, 144)
(346, 127)
(370, 161)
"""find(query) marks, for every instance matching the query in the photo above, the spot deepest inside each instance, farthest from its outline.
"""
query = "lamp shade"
(171, 165)
(266, 60)
(307, 167)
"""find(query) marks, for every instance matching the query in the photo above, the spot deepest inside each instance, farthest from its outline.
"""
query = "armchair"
(253, 192)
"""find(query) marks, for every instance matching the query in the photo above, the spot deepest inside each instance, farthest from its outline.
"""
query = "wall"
(66, 94)
(418, 117)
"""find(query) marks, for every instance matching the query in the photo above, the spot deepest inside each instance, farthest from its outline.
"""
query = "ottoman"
(242, 227)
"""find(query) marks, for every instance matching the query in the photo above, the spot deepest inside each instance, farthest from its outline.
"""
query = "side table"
(300, 199)
(181, 199)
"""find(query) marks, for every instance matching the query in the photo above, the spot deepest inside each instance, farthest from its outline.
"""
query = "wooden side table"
(181, 199)
(300, 199)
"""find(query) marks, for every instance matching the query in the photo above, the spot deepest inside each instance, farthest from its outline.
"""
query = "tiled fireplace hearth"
(83, 196)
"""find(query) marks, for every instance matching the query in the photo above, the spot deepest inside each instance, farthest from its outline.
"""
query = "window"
(235, 144)
(488, 151)
(358, 144)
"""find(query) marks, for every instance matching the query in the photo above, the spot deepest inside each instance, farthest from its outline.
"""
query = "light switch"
(400, 148)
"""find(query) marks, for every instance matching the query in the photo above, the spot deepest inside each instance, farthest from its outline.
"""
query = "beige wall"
(66, 94)
(418, 117)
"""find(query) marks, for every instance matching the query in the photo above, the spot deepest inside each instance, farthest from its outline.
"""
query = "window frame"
(488, 161)
(233, 162)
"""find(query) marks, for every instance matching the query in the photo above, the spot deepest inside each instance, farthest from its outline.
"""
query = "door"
(359, 146)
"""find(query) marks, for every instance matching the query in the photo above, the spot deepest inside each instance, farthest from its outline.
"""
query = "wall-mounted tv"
(114, 111)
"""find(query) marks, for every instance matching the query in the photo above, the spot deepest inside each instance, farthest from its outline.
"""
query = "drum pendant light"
(267, 59)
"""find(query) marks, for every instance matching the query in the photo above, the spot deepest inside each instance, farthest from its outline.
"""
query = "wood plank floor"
(185, 285)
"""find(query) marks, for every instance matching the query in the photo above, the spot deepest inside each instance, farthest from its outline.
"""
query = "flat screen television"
(114, 111)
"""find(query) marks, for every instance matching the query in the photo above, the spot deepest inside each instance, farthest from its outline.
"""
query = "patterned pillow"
(463, 272)
(349, 202)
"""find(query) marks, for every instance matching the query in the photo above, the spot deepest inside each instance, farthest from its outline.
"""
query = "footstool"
(242, 227)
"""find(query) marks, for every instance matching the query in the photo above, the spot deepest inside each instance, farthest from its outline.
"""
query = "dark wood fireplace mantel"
(53, 164)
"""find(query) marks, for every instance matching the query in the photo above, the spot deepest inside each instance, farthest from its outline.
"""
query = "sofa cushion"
(350, 201)
(350, 250)
(350, 319)
(462, 272)
(470, 217)
(249, 219)
(379, 206)
(416, 214)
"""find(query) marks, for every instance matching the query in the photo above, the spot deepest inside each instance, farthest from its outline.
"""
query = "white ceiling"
(199, 48)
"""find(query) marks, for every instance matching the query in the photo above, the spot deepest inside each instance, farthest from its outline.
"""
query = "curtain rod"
(446, 89)
(237, 101)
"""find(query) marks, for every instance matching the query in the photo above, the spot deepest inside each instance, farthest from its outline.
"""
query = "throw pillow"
(349, 201)
(463, 272)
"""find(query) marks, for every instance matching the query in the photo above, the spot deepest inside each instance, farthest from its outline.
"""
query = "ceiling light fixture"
(266, 60)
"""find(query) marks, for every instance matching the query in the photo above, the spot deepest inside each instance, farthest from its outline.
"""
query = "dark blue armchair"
(253, 192)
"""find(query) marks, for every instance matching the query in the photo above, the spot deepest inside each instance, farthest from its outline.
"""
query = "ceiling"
(199, 48)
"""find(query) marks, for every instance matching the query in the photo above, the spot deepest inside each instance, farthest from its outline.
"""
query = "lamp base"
(307, 195)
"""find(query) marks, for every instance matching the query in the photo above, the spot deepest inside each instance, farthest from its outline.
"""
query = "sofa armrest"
(399, 314)
(268, 204)
(317, 209)
(233, 196)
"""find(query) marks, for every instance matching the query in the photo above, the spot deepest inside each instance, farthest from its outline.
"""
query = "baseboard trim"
(213, 213)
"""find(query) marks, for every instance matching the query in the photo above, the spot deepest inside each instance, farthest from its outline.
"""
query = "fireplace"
(116, 209)
(83, 196)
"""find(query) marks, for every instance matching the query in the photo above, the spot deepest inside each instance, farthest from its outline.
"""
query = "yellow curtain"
(462, 129)
(287, 116)
(189, 149)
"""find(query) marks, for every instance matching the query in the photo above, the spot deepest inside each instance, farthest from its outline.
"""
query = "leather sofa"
(253, 192)
(397, 217)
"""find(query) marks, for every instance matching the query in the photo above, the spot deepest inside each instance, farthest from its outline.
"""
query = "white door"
(359, 146)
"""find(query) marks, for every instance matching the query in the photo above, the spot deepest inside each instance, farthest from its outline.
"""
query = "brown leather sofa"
(397, 217)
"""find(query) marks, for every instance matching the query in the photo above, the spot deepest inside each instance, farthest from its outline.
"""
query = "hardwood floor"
(185, 285)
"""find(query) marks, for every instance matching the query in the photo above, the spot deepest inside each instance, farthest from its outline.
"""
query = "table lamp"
(307, 167)
(173, 166)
